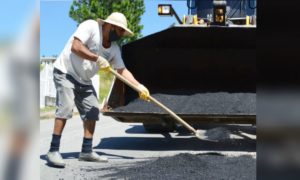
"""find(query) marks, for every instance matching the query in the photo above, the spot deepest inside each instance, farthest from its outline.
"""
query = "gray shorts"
(71, 93)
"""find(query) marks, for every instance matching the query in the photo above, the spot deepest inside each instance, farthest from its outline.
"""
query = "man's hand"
(144, 92)
(103, 63)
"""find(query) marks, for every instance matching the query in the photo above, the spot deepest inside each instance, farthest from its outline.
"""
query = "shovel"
(197, 133)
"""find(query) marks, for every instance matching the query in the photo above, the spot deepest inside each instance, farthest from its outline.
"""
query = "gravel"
(215, 103)
(189, 166)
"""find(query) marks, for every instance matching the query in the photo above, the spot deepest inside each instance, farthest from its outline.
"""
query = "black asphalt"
(215, 103)
(189, 166)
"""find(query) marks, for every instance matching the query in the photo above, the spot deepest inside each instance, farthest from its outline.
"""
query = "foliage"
(82, 10)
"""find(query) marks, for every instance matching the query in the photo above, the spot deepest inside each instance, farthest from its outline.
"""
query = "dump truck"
(203, 68)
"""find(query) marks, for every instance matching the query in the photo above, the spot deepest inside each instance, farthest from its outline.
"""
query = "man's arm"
(82, 51)
(127, 74)
(144, 92)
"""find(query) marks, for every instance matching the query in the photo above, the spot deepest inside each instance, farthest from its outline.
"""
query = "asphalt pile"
(218, 134)
(215, 103)
(189, 166)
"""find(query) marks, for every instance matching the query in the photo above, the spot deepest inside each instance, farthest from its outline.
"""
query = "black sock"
(55, 143)
(87, 145)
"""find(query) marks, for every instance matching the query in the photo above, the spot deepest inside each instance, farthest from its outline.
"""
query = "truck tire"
(159, 127)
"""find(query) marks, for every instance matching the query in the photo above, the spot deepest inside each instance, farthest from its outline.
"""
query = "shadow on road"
(161, 144)
(139, 129)
(183, 143)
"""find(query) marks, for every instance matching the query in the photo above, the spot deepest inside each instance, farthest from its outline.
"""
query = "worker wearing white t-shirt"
(91, 48)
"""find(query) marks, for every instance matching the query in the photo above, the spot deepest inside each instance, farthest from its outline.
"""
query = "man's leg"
(89, 128)
(87, 105)
(59, 125)
(54, 157)
(65, 103)
(87, 153)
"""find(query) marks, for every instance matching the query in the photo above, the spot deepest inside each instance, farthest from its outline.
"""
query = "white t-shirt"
(82, 70)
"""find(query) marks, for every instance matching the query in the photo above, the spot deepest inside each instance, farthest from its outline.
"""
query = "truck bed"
(203, 74)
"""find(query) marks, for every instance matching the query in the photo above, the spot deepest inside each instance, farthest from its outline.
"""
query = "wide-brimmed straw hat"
(119, 20)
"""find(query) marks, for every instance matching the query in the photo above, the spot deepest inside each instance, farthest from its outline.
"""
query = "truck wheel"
(159, 128)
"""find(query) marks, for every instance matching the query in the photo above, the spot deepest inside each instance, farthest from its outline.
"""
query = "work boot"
(54, 158)
(92, 156)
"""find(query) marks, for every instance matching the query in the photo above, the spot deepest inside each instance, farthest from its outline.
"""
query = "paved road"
(125, 144)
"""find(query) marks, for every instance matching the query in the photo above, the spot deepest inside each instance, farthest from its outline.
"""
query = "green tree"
(82, 10)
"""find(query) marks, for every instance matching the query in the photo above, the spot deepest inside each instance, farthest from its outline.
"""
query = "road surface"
(127, 144)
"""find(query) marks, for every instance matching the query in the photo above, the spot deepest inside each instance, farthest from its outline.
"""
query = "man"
(90, 48)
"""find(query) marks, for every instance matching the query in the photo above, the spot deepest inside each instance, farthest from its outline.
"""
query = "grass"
(42, 67)
(47, 109)
(105, 84)
(47, 112)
